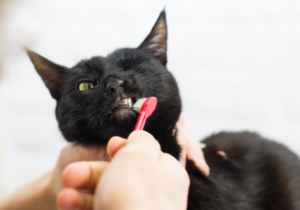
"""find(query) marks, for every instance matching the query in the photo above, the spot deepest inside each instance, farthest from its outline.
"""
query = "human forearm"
(35, 196)
(41, 194)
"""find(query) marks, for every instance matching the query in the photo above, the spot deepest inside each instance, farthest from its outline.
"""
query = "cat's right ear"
(50, 72)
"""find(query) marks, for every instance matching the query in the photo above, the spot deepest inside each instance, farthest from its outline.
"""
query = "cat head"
(93, 96)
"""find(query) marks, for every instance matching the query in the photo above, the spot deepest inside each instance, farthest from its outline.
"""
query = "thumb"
(114, 144)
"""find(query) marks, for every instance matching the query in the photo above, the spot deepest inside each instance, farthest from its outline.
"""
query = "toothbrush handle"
(141, 121)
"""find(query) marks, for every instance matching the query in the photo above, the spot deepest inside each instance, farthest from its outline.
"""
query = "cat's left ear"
(50, 72)
(156, 41)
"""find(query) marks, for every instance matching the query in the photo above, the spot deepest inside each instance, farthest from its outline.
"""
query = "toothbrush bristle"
(138, 104)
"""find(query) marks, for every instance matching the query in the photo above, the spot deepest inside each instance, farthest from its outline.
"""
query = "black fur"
(257, 175)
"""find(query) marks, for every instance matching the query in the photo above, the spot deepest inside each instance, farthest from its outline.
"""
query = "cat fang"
(125, 103)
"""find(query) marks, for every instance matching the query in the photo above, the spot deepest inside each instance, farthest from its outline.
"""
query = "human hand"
(81, 178)
(42, 192)
(139, 176)
(69, 154)
(191, 149)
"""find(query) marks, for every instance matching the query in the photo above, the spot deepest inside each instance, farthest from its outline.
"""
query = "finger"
(195, 153)
(144, 142)
(183, 135)
(83, 175)
(202, 166)
(70, 199)
(77, 152)
(182, 157)
(202, 146)
(192, 148)
(114, 144)
(182, 141)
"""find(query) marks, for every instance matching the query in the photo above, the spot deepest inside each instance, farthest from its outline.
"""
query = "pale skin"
(42, 193)
(150, 179)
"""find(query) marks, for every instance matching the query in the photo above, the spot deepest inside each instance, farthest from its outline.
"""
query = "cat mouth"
(124, 103)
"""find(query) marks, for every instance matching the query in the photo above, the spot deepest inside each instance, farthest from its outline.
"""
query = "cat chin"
(123, 114)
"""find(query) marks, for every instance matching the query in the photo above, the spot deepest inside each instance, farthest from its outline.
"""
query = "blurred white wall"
(237, 64)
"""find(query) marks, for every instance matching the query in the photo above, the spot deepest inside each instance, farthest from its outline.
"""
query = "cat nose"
(114, 86)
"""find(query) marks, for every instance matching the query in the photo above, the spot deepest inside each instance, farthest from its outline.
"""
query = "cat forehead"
(114, 58)
(128, 53)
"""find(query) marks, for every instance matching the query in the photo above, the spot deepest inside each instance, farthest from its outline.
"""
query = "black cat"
(93, 104)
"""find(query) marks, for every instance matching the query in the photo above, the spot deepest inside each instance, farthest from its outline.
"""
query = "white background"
(237, 64)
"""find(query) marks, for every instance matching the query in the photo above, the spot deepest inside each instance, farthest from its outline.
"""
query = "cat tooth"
(129, 101)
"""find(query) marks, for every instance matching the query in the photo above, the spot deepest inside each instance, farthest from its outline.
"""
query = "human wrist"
(49, 190)
(43, 195)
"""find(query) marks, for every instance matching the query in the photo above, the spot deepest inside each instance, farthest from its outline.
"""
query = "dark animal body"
(256, 174)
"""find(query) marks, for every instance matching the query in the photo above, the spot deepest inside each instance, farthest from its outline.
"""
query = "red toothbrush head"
(147, 109)
(149, 105)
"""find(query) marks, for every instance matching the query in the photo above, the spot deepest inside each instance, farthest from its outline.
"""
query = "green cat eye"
(86, 86)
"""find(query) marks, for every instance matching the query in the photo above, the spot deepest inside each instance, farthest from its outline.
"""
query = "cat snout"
(115, 86)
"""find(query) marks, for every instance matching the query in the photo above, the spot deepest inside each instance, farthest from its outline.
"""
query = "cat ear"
(50, 72)
(156, 41)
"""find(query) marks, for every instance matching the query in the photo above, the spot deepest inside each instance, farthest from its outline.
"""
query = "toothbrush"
(145, 106)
